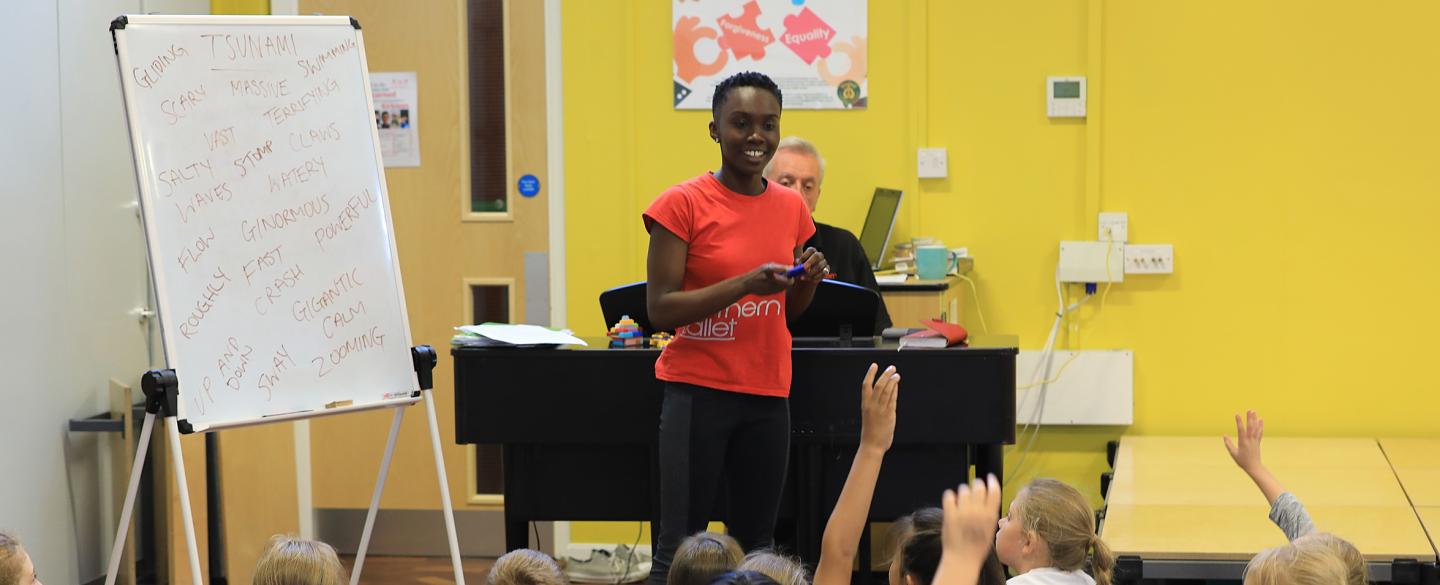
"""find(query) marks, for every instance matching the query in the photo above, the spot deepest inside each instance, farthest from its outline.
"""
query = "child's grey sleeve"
(1290, 515)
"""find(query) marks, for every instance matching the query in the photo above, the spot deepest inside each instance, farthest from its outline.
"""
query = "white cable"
(1040, 378)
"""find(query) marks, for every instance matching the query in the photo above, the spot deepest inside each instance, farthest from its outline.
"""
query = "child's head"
(15, 565)
(702, 557)
(1050, 524)
(525, 567)
(294, 561)
(785, 570)
(1313, 559)
(743, 578)
(917, 550)
(1342, 549)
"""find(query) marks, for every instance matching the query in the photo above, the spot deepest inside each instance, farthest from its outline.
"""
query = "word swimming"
(316, 64)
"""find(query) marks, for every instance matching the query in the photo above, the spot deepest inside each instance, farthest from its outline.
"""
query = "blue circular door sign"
(529, 185)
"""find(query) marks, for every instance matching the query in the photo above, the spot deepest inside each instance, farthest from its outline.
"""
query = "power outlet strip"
(1085, 262)
(1149, 259)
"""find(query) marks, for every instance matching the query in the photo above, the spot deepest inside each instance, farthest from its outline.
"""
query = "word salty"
(172, 177)
(191, 325)
(183, 104)
(312, 307)
(280, 114)
(347, 218)
(233, 362)
(279, 364)
(317, 64)
(255, 230)
(368, 340)
(247, 46)
(150, 75)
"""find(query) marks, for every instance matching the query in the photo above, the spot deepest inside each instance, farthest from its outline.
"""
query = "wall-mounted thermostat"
(1065, 97)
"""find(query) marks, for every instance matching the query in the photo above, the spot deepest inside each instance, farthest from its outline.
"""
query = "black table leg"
(990, 458)
(517, 531)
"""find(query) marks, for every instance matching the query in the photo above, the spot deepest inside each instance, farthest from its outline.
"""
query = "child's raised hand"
(1245, 450)
(877, 408)
(971, 517)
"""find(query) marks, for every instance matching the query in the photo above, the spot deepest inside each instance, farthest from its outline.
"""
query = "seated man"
(798, 165)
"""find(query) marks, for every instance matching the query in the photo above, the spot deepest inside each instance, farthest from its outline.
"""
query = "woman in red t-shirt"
(720, 246)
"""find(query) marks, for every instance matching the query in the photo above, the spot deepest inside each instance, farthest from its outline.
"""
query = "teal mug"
(934, 262)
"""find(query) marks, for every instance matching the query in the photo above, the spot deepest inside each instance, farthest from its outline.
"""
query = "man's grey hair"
(802, 146)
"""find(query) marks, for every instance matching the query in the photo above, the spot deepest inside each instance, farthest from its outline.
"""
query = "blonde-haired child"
(1314, 559)
(702, 557)
(1286, 511)
(16, 568)
(295, 561)
(1049, 538)
(784, 569)
(525, 567)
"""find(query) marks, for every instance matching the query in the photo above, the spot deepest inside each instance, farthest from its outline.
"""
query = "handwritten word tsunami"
(255, 47)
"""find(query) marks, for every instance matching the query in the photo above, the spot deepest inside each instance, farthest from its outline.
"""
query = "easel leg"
(178, 459)
(444, 489)
(375, 499)
(117, 549)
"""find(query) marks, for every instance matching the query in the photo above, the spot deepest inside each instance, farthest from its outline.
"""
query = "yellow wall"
(1285, 148)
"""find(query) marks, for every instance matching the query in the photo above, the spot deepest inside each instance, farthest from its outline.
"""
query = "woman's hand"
(767, 279)
(816, 267)
(877, 409)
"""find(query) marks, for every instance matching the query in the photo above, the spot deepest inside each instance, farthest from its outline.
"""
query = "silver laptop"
(879, 224)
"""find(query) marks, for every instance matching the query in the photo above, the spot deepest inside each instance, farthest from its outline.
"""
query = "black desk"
(579, 428)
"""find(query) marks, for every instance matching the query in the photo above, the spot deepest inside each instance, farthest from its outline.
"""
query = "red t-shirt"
(744, 347)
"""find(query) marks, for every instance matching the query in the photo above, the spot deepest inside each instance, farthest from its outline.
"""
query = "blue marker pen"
(796, 271)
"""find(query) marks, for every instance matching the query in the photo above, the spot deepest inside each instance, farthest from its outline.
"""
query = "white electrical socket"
(1086, 262)
(1150, 259)
(930, 163)
(1114, 226)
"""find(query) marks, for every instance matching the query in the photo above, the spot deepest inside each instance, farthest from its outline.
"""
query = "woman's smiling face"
(747, 128)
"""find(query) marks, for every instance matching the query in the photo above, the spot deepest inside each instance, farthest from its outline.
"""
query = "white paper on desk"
(523, 334)
(891, 278)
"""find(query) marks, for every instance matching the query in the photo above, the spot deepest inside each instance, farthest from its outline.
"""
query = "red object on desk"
(938, 334)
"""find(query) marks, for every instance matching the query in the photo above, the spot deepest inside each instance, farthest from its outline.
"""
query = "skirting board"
(1097, 388)
(421, 533)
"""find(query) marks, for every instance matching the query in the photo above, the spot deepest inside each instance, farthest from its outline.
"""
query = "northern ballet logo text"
(722, 325)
